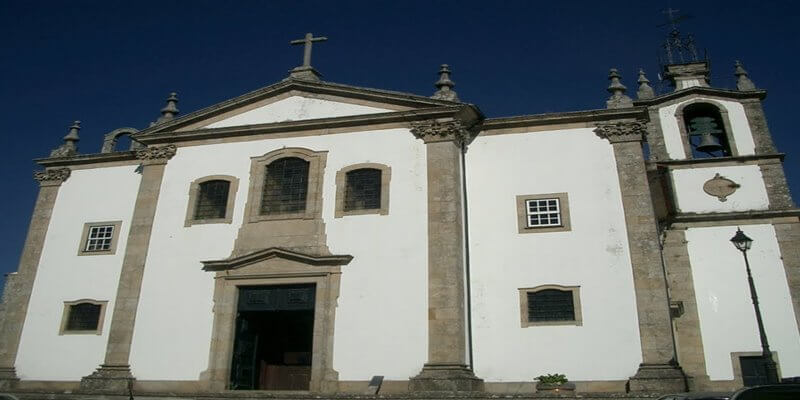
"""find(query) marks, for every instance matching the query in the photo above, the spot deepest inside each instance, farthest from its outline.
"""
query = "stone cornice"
(431, 131)
(726, 93)
(52, 176)
(686, 218)
(721, 161)
(302, 125)
(335, 89)
(589, 116)
(622, 131)
(273, 252)
(156, 153)
(82, 159)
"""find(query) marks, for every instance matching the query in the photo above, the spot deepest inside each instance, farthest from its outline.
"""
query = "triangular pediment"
(296, 100)
(276, 253)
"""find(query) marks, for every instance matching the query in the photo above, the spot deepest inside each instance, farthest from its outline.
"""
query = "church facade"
(327, 238)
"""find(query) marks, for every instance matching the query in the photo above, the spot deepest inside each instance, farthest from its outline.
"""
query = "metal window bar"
(99, 238)
(285, 186)
(363, 189)
(212, 201)
(551, 305)
(544, 212)
(83, 317)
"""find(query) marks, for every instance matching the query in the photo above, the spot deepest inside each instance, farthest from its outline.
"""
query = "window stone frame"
(576, 303)
(85, 236)
(316, 169)
(194, 193)
(100, 319)
(522, 215)
(341, 190)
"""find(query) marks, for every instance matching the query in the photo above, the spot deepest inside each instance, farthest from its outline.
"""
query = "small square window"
(550, 305)
(362, 189)
(99, 238)
(83, 317)
(211, 200)
(538, 213)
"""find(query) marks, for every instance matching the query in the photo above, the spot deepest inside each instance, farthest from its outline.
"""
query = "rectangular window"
(99, 238)
(544, 212)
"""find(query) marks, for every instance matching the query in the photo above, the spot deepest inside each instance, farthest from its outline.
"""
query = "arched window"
(83, 317)
(212, 200)
(285, 186)
(706, 132)
(363, 189)
(550, 305)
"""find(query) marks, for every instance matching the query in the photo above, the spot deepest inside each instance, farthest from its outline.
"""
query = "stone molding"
(54, 176)
(194, 193)
(100, 320)
(622, 131)
(156, 154)
(576, 303)
(432, 131)
(275, 252)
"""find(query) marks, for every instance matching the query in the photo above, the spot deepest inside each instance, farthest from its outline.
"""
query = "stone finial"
(743, 82)
(445, 86)
(618, 98)
(70, 146)
(645, 90)
(170, 110)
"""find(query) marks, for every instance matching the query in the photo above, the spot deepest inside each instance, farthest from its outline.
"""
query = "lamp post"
(743, 243)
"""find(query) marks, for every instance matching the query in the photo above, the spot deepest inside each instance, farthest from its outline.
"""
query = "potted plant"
(554, 383)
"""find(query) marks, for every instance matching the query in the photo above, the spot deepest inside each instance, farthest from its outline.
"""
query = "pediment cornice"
(275, 252)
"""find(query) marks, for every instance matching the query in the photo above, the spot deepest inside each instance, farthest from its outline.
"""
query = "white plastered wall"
(742, 135)
(593, 255)
(89, 195)
(381, 318)
(727, 319)
(296, 108)
(691, 198)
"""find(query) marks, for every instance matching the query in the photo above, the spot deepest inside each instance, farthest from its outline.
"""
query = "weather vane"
(678, 48)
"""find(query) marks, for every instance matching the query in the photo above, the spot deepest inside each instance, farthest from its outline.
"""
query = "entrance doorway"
(273, 339)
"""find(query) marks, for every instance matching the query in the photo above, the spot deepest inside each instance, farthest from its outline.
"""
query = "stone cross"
(307, 41)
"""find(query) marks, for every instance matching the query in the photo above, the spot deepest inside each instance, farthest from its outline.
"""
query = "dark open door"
(274, 338)
(245, 349)
(754, 370)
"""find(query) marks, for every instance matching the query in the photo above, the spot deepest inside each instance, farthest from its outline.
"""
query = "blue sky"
(112, 63)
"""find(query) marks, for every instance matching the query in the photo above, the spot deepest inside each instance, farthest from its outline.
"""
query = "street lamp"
(743, 243)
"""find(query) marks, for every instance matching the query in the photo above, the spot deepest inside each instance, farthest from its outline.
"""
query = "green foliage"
(552, 379)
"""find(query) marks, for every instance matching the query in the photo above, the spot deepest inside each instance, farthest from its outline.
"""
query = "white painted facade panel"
(89, 195)
(381, 318)
(742, 136)
(296, 108)
(594, 255)
(691, 198)
(727, 319)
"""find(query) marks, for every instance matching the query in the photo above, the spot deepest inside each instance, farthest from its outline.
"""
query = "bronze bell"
(708, 143)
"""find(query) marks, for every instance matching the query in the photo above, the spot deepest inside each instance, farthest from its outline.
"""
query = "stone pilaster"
(688, 337)
(659, 371)
(775, 183)
(446, 369)
(114, 374)
(788, 235)
(758, 126)
(19, 285)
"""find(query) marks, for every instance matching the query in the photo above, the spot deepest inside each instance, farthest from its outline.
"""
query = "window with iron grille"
(100, 238)
(83, 317)
(543, 212)
(212, 200)
(551, 305)
(363, 189)
(285, 186)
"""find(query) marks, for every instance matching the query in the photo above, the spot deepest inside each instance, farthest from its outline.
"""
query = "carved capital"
(156, 153)
(624, 131)
(52, 176)
(437, 131)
